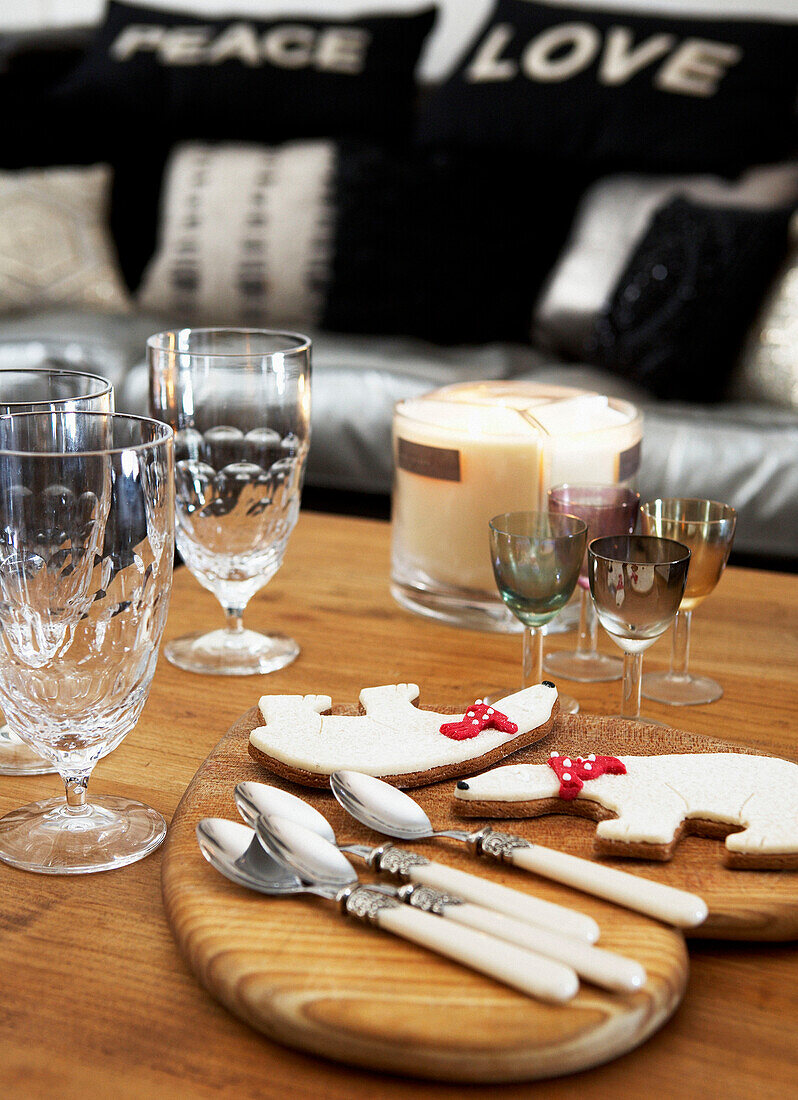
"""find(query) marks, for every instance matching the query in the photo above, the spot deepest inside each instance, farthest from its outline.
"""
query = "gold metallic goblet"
(707, 527)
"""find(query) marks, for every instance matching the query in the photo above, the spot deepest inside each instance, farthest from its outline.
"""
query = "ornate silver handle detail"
(396, 861)
(426, 898)
(365, 903)
(499, 845)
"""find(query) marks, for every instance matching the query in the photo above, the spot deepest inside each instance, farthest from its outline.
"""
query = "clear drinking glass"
(35, 389)
(86, 552)
(536, 560)
(707, 527)
(637, 583)
(607, 510)
(239, 401)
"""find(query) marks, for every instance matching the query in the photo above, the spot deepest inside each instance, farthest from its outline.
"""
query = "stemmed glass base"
(533, 668)
(568, 705)
(232, 652)
(18, 758)
(53, 838)
(676, 686)
(585, 668)
(585, 664)
(680, 690)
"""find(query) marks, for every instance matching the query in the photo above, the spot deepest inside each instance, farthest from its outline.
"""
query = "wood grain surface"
(297, 971)
(96, 999)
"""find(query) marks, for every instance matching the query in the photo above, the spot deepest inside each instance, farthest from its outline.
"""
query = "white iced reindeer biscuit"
(393, 738)
(644, 804)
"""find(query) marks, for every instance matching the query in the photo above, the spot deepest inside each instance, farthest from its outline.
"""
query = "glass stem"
(680, 653)
(235, 619)
(632, 676)
(588, 626)
(533, 656)
(75, 786)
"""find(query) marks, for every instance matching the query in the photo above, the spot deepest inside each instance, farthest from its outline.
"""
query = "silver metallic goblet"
(637, 583)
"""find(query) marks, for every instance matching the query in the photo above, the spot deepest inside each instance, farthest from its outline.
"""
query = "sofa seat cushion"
(742, 453)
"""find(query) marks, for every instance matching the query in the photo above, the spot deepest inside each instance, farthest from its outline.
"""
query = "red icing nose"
(574, 771)
(477, 718)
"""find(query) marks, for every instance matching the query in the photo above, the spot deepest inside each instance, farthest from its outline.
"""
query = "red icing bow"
(573, 771)
(477, 718)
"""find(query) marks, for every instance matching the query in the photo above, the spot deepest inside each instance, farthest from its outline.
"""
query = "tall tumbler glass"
(86, 553)
(607, 510)
(37, 389)
(239, 402)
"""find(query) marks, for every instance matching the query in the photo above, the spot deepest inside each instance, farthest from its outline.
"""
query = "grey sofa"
(742, 452)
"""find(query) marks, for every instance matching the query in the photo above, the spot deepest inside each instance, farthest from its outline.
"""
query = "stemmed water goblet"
(239, 402)
(607, 510)
(536, 561)
(637, 583)
(707, 527)
(36, 389)
(86, 553)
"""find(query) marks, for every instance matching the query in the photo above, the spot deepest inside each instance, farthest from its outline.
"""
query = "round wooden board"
(296, 970)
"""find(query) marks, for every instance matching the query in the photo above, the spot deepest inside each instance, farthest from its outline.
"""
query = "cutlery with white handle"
(393, 812)
(602, 968)
(255, 799)
(317, 867)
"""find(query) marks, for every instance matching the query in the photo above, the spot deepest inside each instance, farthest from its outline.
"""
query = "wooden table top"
(95, 998)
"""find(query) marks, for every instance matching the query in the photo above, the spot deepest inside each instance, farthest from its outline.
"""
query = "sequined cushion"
(614, 215)
(55, 247)
(680, 310)
(768, 367)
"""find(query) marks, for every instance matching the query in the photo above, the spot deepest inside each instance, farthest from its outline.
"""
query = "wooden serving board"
(299, 972)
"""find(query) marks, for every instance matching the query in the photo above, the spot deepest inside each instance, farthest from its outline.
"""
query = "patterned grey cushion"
(245, 236)
(55, 248)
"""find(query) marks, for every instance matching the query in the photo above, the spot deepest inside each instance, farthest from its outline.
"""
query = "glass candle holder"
(468, 452)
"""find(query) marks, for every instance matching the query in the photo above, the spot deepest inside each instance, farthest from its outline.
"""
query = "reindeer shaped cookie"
(646, 803)
(392, 737)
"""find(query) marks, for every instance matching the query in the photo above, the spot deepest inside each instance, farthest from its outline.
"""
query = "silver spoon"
(317, 867)
(235, 852)
(417, 868)
(390, 811)
(603, 968)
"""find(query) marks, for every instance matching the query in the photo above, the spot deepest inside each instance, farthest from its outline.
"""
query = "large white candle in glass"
(466, 452)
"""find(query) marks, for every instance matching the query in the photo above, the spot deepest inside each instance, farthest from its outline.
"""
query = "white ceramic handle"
(515, 903)
(529, 973)
(667, 904)
(602, 968)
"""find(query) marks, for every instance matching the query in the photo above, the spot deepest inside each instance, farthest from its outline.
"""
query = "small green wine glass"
(536, 561)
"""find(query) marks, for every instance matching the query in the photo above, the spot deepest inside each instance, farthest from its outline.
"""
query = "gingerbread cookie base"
(583, 807)
(623, 738)
(407, 779)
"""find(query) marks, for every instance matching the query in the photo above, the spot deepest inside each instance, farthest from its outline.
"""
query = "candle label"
(629, 462)
(442, 463)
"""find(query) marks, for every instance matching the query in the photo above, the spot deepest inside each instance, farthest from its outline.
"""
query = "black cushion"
(690, 290)
(171, 76)
(623, 90)
(448, 247)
